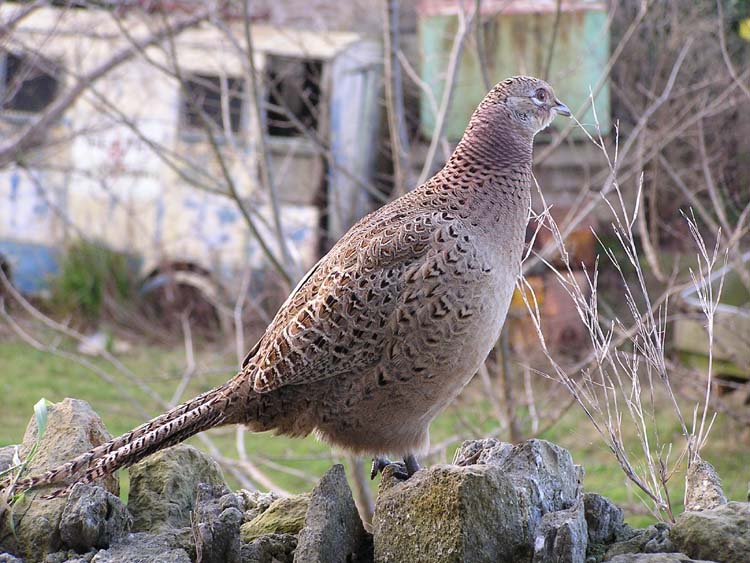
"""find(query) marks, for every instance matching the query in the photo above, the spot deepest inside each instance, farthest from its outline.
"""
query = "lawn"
(294, 464)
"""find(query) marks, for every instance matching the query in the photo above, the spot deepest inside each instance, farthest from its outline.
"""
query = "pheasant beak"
(561, 108)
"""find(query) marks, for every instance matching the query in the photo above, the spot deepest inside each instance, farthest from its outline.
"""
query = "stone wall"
(499, 502)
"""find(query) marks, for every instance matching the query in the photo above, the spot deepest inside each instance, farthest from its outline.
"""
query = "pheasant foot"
(402, 470)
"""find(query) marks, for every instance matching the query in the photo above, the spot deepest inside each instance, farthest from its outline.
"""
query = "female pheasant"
(393, 322)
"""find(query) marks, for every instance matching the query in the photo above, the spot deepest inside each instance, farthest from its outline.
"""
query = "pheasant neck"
(489, 151)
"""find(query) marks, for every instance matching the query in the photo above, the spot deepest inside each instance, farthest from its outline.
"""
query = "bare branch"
(14, 147)
(464, 28)
(264, 160)
(725, 53)
(394, 99)
(18, 16)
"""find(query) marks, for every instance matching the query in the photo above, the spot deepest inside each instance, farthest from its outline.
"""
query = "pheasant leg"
(401, 470)
(411, 465)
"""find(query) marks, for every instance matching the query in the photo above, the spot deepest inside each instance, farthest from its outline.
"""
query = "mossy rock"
(72, 429)
(163, 487)
(478, 512)
(719, 534)
(284, 516)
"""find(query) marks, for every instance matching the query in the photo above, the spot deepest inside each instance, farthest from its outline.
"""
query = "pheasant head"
(528, 103)
(503, 127)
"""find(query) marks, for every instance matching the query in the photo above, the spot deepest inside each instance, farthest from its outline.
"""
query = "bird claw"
(380, 463)
(401, 470)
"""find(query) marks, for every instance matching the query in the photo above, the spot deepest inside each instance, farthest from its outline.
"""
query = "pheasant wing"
(335, 321)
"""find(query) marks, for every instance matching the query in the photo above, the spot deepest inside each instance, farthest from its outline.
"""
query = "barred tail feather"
(201, 413)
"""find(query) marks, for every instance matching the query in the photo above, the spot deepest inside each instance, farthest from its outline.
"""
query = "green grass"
(27, 375)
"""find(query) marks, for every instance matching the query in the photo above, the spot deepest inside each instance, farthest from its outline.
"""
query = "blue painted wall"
(31, 265)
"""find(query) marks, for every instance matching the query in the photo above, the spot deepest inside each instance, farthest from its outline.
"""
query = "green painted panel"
(518, 44)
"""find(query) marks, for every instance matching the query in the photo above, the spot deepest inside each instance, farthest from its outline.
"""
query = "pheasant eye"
(541, 95)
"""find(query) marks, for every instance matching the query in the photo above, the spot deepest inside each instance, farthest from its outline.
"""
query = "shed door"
(356, 80)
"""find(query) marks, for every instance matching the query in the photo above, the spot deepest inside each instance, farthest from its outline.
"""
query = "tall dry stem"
(618, 389)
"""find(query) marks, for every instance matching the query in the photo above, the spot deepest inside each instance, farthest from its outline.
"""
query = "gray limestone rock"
(216, 525)
(92, 518)
(164, 485)
(271, 548)
(69, 556)
(562, 537)
(333, 530)
(481, 512)
(703, 489)
(144, 548)
(254, 503)
(487, 451)
(6, 457)
(72, 428)
(719, 534)
(654, 539)
(655, 558)
(604, 519)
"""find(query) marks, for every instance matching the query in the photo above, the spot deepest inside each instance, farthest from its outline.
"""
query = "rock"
(605, 523)
(256, 502)
(163, 487)
(72, 428)
(720, 534)
(8, 558)
(273, 548)
(182, 538)
(654, 539)
(488, 451)
(655, 558)
(285, 515)
(562, 537)
(333, 530)
(92, 518)
(6, 457)
(604, 519)
(216, 525)
(480, 512)
(703, 487)
(144, 548)
(543, 474)
(69, 556)
(443, 503)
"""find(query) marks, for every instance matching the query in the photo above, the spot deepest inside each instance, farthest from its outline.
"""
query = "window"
(203, 94)
(28, 84)
(292, 95)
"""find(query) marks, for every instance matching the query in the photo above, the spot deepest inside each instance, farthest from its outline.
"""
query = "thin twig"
(454, 62)
(725, 52)
(394, 98)
(264, 159)
(13, 147)
(190, 366)
(553, 40)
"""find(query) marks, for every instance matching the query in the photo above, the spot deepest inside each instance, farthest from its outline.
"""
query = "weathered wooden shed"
(134, 157)
(570, 48)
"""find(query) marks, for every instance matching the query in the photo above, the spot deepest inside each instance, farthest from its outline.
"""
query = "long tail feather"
(206, 411)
